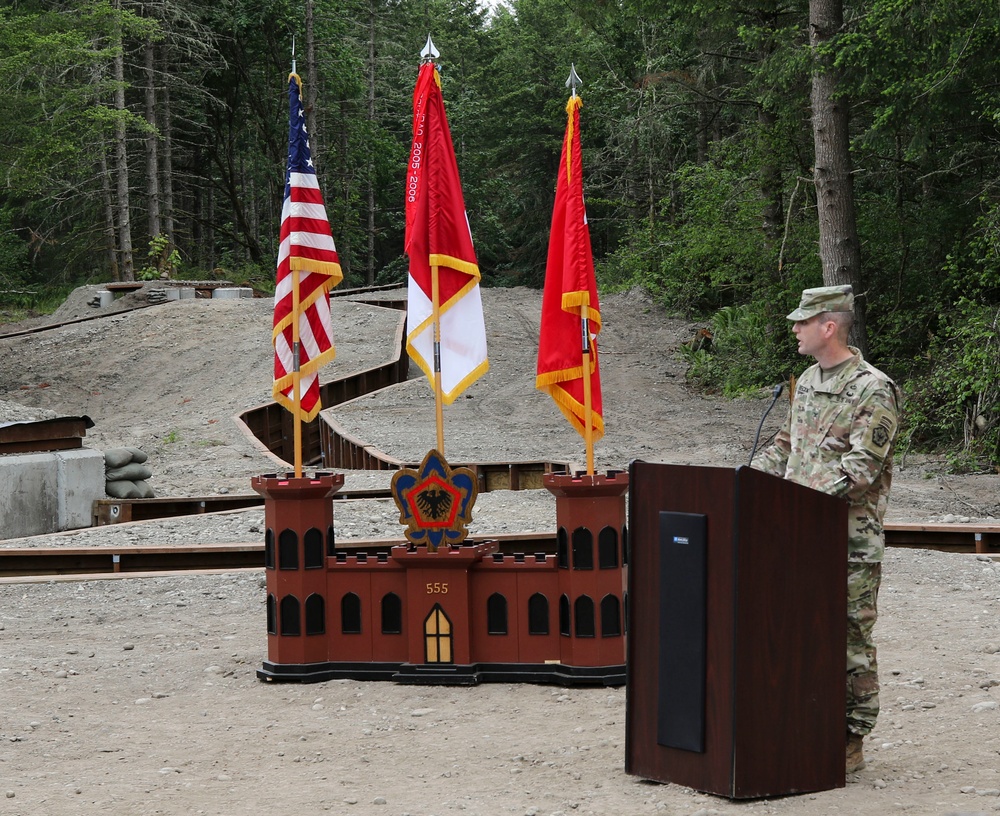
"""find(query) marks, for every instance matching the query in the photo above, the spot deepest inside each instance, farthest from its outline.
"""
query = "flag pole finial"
(574, 79)
(429, 53)
(293, 55)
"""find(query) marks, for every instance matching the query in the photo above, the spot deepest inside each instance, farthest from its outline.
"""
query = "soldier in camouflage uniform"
(839, 439)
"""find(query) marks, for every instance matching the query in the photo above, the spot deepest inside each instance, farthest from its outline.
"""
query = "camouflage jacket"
(839, 438)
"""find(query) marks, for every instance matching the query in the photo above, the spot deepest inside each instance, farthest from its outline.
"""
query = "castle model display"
(456, 614)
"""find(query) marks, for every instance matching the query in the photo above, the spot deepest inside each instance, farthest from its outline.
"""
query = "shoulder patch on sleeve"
(880, 432)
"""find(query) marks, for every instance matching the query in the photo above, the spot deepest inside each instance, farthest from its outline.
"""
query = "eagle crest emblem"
(435, 502)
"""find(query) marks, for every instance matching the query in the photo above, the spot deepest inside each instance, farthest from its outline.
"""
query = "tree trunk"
(152, 145)
(121, 160)
(311, 87)
(370, 265)
(109, 213)
(839, 248)
(166, 130)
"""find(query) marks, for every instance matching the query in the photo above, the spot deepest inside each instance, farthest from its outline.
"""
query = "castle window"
(562, 549)
(625, 605)
(563, 615)
(611, 621)
(607, 548)
(496, 614)
(624, 546)
(315, 615)
(583, 549)
(269, 549)
(272, 615)
(312, 544)
(350, 614)
(392, 614)
(331, 541)
(583, 617)
(288, 550)
(538, 614)
(290, 623)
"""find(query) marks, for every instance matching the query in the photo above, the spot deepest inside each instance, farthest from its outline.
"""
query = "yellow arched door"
(437, 637)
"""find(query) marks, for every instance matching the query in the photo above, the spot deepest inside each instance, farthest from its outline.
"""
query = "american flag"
(306, 247)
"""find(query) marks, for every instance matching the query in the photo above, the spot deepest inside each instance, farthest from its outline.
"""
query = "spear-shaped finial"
(429, 52)
(293, 54)
(574, 79)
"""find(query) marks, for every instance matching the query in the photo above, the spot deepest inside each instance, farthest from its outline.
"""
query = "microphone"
(774, 398)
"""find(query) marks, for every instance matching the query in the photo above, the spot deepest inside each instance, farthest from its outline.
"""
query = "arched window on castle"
(272, 615)
(538, 614)
(562, 548)
(563, 615)
(583, 549)
(315, 615)
(350, 614)
(392, 614)
(312, 543)
(288, 550)
(289, 617)
(269, 549)
(611, 619)
(583, 616)
(496, 614)
(607, 548)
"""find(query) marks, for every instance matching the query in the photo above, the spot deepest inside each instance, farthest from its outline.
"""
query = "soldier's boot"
(855, 752)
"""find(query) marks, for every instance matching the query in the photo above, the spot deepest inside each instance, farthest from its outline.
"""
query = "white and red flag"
(571, 313)
(438, 235)
(308, 267)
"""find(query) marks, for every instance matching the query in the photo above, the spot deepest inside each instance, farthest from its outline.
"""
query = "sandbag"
(137, 455)
(122, 489)
(145, 491)
(117, 457)
(133, 471)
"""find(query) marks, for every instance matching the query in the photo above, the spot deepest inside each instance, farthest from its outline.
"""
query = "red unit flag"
(306, 246)
(437, 234)
(570, 293)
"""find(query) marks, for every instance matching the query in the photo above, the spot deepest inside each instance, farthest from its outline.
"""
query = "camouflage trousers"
(863, 581)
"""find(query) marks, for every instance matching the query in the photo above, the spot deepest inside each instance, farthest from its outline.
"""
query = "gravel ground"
(139, 696)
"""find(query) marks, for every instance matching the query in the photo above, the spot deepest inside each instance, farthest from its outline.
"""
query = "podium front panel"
(773, 612)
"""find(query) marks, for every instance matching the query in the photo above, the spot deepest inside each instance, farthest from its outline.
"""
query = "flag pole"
(296, 377)
(296, 369)
(428, 54)
(588, 408)
(438, 390)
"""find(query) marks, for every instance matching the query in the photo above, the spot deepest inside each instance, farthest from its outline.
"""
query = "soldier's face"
(810, 334)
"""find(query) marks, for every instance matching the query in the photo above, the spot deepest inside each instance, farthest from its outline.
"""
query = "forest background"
(141, 138)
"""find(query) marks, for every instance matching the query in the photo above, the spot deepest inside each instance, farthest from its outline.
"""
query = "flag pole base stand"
(588, 500)
(298, 521)
(592, 554)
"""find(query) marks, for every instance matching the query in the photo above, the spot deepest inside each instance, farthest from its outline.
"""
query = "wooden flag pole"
(588, 409)
(438, 396)
(296, 377)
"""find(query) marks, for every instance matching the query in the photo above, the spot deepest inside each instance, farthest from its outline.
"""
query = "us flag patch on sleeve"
(880, 432)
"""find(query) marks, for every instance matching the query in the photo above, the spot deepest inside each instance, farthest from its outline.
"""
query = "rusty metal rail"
(19, 563)
(24, 562)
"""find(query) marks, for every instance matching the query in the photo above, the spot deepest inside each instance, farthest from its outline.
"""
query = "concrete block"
(48, 492)
(81, 482)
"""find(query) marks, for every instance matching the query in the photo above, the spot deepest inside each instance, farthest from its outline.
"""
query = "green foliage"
(957, 396)
(165, 260)
(743, 351)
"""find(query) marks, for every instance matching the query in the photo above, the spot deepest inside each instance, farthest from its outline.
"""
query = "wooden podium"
(737, 610)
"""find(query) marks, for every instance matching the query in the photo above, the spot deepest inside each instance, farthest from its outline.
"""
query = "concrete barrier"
(49, 492)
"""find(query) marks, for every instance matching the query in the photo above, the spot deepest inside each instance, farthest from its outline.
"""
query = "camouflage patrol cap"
(824, 299)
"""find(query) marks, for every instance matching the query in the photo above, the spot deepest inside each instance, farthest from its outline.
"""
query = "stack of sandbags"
(125, 474)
